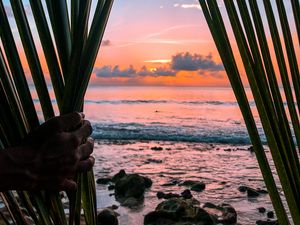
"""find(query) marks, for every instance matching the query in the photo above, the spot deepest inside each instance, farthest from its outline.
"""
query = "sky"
(152, 42)
(161, 42)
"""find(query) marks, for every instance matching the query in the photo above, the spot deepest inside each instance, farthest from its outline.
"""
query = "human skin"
(50, 156)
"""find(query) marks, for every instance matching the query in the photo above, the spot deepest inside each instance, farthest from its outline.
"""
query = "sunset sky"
(154, 42)
(162, 42)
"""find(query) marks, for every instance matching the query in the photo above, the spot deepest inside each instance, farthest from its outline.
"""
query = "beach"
(223, 169)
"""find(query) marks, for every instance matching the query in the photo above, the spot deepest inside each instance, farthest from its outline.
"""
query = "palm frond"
(250, 35)
(72, 44)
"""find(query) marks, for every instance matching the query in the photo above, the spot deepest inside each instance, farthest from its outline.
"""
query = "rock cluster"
(177, 211)
(197, 186)
(251, 192)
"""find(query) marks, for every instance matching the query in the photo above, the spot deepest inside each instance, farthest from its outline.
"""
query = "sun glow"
(153, 69)
(158, 61)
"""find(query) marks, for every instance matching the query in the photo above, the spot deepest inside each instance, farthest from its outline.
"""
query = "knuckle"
(92, 159)
(89, 126)
(90, 162)
(73, 117)
(77, 116)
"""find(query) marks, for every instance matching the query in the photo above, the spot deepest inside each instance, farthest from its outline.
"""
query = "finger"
(84, 131)
(68, 185)
(70, 121)
(55, 125)
(64, 122)
(86, 165)
(86, 149)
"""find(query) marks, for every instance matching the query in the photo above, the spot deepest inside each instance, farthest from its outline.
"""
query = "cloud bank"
(203, 65)
(195, 62)
(130, 72)
(109, 71)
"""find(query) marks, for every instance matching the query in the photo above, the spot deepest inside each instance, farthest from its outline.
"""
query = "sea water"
(197, 114)
(203, 137)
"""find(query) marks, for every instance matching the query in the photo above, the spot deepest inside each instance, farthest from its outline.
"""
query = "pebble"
(186, 194)
(111, 187)
(104, 180)
(261, 209)
(270, 214)
(198, 187)
(252, 193)
(156, 148)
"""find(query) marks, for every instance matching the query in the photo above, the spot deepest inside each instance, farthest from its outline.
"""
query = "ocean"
(202, 136)
(188, 114)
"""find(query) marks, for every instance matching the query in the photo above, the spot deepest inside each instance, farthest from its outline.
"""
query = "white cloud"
(190, 6)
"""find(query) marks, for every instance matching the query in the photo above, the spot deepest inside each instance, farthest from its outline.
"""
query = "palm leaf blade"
(264, 85)
(16, 69)
(32, 57)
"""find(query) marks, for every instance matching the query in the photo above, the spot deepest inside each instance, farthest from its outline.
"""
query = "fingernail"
(90, 139)
(82, 114)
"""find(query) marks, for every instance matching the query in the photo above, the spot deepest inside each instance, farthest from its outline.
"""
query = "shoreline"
(222, 167)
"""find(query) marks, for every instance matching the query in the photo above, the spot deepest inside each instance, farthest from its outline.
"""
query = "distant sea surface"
(189, 114)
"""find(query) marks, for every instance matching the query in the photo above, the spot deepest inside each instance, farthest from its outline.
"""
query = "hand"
(51, 155)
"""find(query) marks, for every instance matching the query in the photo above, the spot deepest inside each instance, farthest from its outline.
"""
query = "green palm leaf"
(250, 35)
(71, 44)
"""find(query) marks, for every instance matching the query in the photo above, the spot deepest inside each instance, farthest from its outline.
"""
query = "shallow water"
(223, 168)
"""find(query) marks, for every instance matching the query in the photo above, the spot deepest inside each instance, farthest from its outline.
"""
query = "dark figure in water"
(49, 156)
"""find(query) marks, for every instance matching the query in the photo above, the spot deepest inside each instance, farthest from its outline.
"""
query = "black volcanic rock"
(261, 209)
(156, 148)
(198, 187)
(223, 213)
(130, 188)
(252, 193)
(270, 214)
(103, 180)
(186, 194)
(107, 217)
(242, 188)
(178, 211)
(118, 176)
